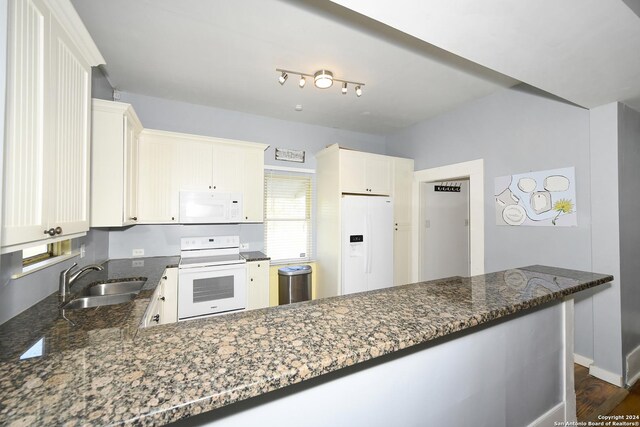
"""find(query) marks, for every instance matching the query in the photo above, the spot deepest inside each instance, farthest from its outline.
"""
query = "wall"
(629, 208)
(100, 86)
(3, 83)
(516, 130)
(605, 240)
(176, 116)
(16, 295)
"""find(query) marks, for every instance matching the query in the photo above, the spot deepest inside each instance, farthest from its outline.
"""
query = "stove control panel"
(209, 242)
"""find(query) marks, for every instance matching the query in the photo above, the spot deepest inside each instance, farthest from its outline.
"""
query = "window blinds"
(287, 216)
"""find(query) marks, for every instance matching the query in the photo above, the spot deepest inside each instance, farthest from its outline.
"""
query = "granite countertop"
(254, 256)
(169, 372)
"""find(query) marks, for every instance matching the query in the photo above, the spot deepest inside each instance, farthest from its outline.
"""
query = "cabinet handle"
(58, 230)
(156, 318)
(50, 232)
(135, 218)
(396, 229)
(252, 279)
(209, 187)
(246, 217)
(164, 277)
(214, 187)
(162, 298)
(173, 218)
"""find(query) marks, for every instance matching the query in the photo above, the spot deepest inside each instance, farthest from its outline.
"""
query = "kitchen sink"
(114, 288)
(98, 301)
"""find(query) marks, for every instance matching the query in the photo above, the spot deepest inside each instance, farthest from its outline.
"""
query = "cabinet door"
(258, 284)
(402, 191)
(67, 151)
(131, 143)
(378, 174)
(152, 315)
(352, 172)
(169, 296)
(228, 168)
(158, 194)
(401, 255)
(193, 169)
(24, 217)
(253, 185)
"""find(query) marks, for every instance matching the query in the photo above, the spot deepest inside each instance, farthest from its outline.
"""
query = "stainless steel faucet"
(67, 278)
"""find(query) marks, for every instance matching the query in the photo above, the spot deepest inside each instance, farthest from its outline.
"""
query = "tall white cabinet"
(341, 171)
(46, 169)
(114, 164)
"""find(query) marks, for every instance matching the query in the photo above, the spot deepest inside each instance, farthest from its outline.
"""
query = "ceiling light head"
(344, 88)
(283, 77)
(323, 79)
(302, 81)
(358, 91)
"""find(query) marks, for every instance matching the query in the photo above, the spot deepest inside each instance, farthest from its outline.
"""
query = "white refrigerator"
(367, 243)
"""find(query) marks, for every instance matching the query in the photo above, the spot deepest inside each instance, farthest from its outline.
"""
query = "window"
(287, 216)
(36, 254)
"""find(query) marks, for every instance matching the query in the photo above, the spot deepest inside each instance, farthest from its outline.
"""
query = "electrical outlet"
(138, 252)
(244, 246)
(83, 251)
(138, 263)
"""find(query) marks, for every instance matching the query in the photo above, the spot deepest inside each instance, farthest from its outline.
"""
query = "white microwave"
(207, 207)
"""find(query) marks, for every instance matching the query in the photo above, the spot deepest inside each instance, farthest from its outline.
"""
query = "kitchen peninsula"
(493, 347)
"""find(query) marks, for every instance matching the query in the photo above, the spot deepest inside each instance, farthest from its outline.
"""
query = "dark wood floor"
(596, 397)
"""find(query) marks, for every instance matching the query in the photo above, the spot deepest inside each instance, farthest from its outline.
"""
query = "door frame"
(472, 170)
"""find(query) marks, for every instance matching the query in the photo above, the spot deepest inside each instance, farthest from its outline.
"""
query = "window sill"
(292, 261)
(44, 264)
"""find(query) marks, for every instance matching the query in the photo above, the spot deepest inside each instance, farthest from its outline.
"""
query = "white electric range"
(211, 276)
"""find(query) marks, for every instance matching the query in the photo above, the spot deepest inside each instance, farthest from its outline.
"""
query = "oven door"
(208, 290)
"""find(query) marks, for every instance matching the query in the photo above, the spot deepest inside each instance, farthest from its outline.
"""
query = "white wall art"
(541, 198)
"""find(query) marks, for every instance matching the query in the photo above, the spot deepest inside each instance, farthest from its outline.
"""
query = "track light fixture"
(322, 79)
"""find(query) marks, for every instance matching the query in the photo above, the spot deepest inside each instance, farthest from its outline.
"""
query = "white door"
(380, 250)
(354, 244)
(444, 228)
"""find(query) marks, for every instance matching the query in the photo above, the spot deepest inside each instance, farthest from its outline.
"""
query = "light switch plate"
(138, 252)
(244, 246)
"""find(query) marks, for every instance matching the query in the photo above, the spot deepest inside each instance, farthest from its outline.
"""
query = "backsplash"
(164, 240)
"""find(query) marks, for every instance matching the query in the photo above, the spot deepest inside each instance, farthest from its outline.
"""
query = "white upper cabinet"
(158, 180)
(197, 163)
(46, 170)
(114, 166)
(365, 173)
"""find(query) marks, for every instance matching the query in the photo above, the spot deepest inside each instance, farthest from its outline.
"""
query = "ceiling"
(585, 51)
(417, 58)
(224, 53)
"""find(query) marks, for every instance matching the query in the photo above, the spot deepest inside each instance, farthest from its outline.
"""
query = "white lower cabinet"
(257, 284)
(163, 307)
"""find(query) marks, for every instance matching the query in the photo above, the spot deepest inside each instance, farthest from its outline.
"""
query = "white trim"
(474, 170)
(570, 410)
(44, 264)
(605, 375)
(200, 138)
(67, 16)
(582, 360)
(288, 169)
(633, 366)
(549, 418)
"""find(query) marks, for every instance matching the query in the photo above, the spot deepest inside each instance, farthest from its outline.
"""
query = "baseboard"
(605, 375)
(633, 366)
(581, 360)
(551, 417)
